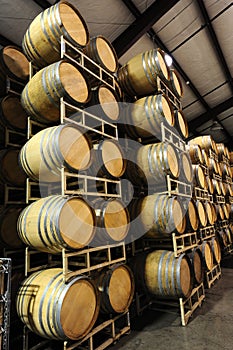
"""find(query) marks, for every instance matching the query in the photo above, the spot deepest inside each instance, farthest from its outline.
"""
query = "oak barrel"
(104, 104)
(12, 114)
(207, 255)
(195, 153)
(186, 168)
(143, 118)
(13, 64)
(101, 51)
(116, 289)
(205, 158)
(175, 83)
(181, 124)
(157, 215)
(217, 188)
(49, 150)
(210, 184)
(8, 227)
(199, 179)
(216, 249)
(201, 213)
(60, 79)
(108, 159)
(41, 42)
(213, 167)
(10, 171)
(206, 142)
(228, 235)
(219, 212)
(168, 276)
(209, 213)
(49, 307)
(112, 220)
(55, 222)
(196, 259)
(139, 75)
(191, 215)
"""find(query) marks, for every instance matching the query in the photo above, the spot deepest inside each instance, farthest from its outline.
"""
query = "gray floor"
(211, 327)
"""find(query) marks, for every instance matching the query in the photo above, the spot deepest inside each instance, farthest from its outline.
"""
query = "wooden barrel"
(214, 213)
(168, 276)
(228, 233)
(13, 64)
(224, 170)
(229, 190)
(41, 42)
(112, 219)
(221, 150)
(175, 83)
(216, 249)
(8, 227)
(157, 161)
(199, 179)
(49, 150)
(196, 259)
(181, 124)
(10, 171)
(12, 114)
(219, 212)
(101, 51)
(108, 159)
(209, 213)
(186, 170)
(213, 167)
(143, 118)
(116, 289)
(217, 188)
(225, 210)
(195, 153)
(210, 184)
(60, 79)
(205, 158)
(223, 188)
(191, 215)
(201, 213)
(49, 307)
(55, 222)
(104, 103)
(139, 75)
(207, 255)
(206, 142)
(157, 215)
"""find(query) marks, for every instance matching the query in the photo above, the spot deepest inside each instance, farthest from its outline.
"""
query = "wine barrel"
(205, 158)
(196, 259)
(101, 51)
(191, 215)
(225, 210)
(168, 276)
(216, 249)
(12, 114)
(228, 235)
(199, 179)
(214, 213)
(116, 289)
(157, 215)
(195, 153)
(108, 159)
(157, 161)
(55, 222)
(213, 167)
(10, 171)
(181, 124)
(8, 227)
(143, 118)
(221, 150)
(210, 184)
(49, 150)
(138, 77)
(104, 103)
(175, 83)
(206, 142)
(201, 213)
(217, 188)
(209, 213)
(219, 212)
(41, 42)
(207, 255)
(225, 170)
(49, 307)
(112, 220)
(223, 188)
(60, 79)
(13, 64)
(186, 170)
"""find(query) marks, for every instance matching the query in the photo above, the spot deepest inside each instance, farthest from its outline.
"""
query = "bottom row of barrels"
(57, 310)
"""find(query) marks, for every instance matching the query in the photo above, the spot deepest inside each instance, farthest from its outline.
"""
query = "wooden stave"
(208, 263)
(216, 249)
(196, 252)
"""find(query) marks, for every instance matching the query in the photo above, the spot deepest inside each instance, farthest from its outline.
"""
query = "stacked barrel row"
(156, 214)
(212, 189)
(57, 222)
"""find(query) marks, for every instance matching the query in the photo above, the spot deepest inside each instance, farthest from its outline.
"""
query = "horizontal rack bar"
(200, 194)
(219, 199)
(217, 177)
(176, 187)
(206, 232)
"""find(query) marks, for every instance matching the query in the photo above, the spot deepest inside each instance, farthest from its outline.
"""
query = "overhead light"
(168, 60)
(216, 126)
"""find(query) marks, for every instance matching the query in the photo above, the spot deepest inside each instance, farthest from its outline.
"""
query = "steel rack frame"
(5, 297)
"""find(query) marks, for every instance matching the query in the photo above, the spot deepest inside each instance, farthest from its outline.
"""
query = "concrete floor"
(210, 328)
